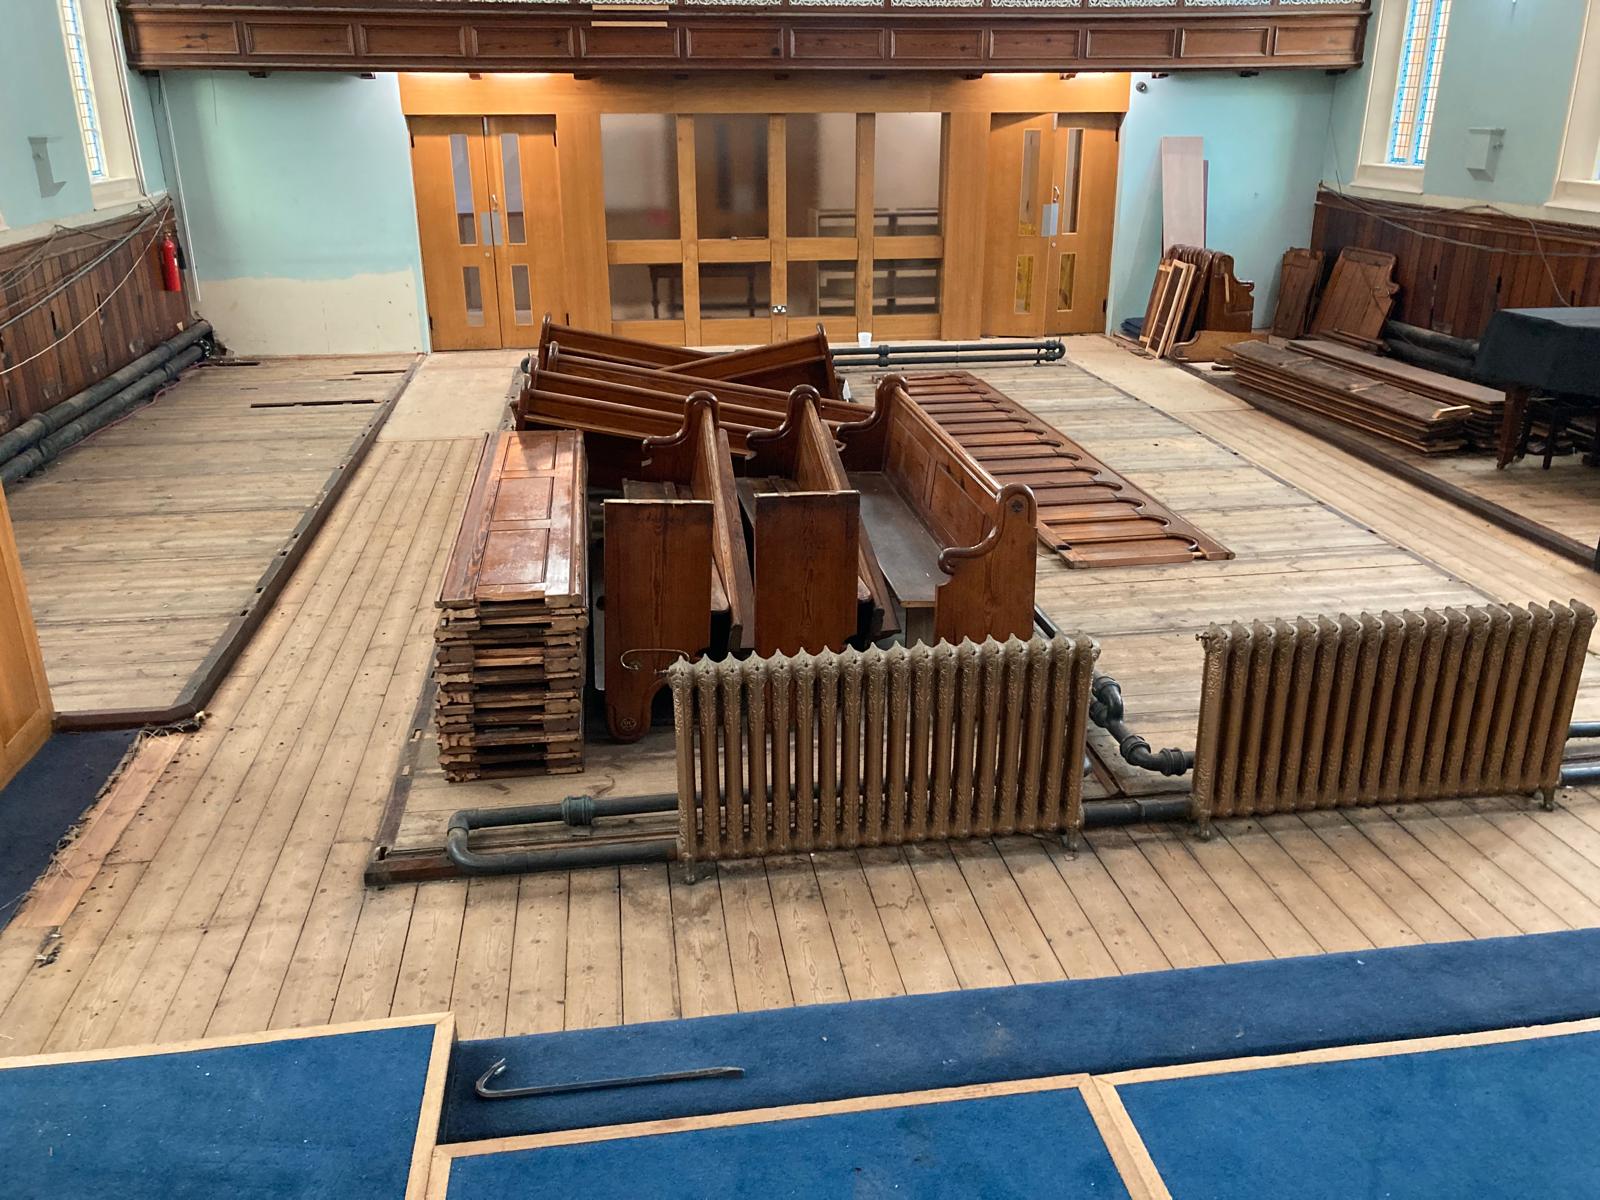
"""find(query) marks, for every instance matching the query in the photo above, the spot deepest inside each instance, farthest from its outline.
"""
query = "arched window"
(1406, 58)
(97, 72)
(1417, 81)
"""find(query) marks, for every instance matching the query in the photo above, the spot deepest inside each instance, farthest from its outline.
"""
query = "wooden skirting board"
(1087, 513)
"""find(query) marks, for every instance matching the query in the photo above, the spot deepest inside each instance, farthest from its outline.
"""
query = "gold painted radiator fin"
(794, 753)
(1331, 712)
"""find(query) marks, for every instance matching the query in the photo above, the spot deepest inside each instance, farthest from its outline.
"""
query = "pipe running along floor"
(227, 896)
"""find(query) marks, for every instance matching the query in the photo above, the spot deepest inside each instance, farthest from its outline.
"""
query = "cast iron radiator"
(880, 747)
(1341, 711)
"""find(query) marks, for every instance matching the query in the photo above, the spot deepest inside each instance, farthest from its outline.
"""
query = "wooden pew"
(814, 564)
(675, 560)
(958, 549)
(781, 365)
(804, 360)
(776, 400)
(601, 406)
(609, 346)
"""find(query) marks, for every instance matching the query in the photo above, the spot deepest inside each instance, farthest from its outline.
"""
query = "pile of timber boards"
(1418, 423)
(1087, 513)
(1487, 405)
(509, 645)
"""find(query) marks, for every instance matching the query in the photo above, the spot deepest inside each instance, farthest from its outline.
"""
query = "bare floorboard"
(141, 545)
(233, 899)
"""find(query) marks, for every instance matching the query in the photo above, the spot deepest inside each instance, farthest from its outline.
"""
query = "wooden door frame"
(966, 104)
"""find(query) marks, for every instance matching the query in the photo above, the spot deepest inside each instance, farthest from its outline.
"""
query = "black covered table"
(1554, 351)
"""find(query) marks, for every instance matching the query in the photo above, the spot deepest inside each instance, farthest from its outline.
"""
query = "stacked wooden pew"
(739, 526)
(1417, 422)
(509, 645)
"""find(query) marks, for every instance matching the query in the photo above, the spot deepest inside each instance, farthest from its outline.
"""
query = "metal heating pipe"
(884, 356)
(579, 811)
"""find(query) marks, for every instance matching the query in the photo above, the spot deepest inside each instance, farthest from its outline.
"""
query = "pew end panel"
(806, 551)
(655, 611)
(699, 460)
(990, 591)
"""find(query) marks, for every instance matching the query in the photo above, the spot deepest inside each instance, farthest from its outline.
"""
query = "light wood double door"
(1052, 196)
(489, 218)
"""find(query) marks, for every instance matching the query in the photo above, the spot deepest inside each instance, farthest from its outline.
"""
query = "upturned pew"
(776, 400)
(675, 562)
(958, 549)
(608, 346)
(804, 360)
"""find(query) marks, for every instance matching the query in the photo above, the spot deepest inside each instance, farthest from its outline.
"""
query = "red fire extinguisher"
(171, 281)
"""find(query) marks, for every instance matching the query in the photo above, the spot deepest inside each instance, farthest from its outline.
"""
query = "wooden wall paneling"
(966, 197)
(778, 222)
(1456, 268)
(25, 711)
(689, 230)
(110, 309)
(866, 234)
(366, 35)
(454, 94)
(583, 220)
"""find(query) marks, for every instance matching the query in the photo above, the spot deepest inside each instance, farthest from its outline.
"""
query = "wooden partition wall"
(78, 304)
(720, 266)
(1456, 269)
(25, 712)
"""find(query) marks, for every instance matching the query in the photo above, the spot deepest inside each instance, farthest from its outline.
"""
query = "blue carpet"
(1026, 1146)
(907, 1044)
(296, 1119)
(43, 800)
(1514, 1120)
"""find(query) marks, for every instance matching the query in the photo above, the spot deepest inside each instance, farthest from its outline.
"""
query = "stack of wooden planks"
(509, 645)
(1087, 513)
(1486, 404)
(1420, 423)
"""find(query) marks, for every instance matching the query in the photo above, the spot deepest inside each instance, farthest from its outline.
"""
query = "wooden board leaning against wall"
(753, 212)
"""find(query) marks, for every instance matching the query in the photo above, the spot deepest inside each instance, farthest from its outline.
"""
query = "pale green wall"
(36, 101)
(299, 209)
(1264, 139)
(1506, 65)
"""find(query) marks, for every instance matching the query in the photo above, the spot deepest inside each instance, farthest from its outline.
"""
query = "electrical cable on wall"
(98, 308)
(156, 216)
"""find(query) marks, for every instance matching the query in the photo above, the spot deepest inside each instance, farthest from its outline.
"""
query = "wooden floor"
(143, 544)
(231, 899)
(1566, 498)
